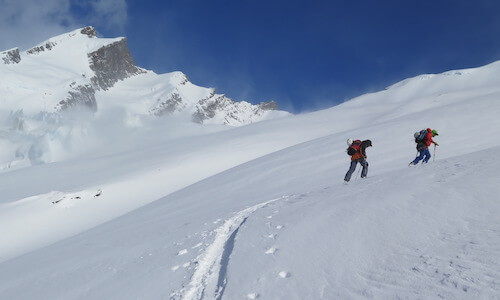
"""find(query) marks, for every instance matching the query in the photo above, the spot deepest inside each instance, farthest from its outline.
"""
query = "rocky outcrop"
(79, 96)
(271, 105)
(168, 105)
(112, 63)
(231, 112)
(89, 31)
(207, 108)
(11, 56)
(45, 47)
(213, 109)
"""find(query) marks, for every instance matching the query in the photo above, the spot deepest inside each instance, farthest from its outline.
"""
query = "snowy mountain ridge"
(446, 79)
(52, 92)
(71, 69)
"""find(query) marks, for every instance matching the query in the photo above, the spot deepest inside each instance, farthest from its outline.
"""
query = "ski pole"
(357, 174)
(434, 153)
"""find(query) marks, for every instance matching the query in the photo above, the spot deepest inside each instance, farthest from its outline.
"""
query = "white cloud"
(107, 14)
(28, 22)
(110, 13)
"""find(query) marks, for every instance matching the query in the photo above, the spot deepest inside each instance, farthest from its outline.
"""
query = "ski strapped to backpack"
(354, 147)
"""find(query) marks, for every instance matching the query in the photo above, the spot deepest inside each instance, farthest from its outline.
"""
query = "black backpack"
(354, 147)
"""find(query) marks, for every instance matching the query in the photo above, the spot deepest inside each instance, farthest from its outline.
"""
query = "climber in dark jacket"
(357, 150)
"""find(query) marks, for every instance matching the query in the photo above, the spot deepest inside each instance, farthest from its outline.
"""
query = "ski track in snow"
(209, 279)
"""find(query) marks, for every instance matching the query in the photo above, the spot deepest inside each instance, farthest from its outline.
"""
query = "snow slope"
(260, 211)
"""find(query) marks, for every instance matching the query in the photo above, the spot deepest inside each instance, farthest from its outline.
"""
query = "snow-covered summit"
(453, 80)
(46, 90)
(86, 37)
(63, 72)
(79, 69)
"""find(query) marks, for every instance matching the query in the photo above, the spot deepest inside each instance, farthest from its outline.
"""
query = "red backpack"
(354, 148)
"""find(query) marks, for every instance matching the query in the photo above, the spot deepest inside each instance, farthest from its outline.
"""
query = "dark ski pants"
(424, 154)
(364, 172)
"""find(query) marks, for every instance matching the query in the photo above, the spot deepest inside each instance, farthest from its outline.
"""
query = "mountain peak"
(78, 69)
(84, 38)
(88, 31)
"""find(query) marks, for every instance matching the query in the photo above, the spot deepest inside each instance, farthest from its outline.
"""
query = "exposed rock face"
(271, 105)
(45, 47)
(168, 105)
(11, 56)
(112, 63)
(232, 113)
(79, 96)
(207, 108)
(212, 108)
(89, 31)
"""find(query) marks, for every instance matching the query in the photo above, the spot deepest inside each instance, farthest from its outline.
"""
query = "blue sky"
(306, 55)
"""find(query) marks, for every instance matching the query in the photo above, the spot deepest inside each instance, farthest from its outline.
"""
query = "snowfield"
(172, 210)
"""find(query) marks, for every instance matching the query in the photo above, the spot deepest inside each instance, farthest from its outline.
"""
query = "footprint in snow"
(253, 296)
(279, 227)
(272, 236)
(269, 217)
(174, 268)
(271, 250)
(197, 245)
(182, 252)
(284, 274)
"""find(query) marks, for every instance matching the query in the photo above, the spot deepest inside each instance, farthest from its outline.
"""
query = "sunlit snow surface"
(260, 212)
